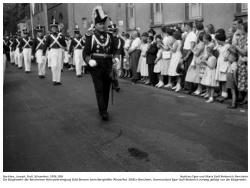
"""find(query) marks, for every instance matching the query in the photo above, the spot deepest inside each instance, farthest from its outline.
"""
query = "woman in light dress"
(193, 73)
(142, 66)
(175, 59)
(222, 64)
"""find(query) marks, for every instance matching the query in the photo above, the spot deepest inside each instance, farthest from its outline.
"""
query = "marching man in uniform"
(12, 48)
(76, 47)
(37, 51)
(100, 52)
(18, 54)
(55, 42)
(25, 48)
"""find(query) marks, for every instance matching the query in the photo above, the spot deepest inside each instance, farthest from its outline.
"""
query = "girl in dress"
(126, 59)
(158, 61)
(222, 65)
(207, 38)
(175, 59)
(231, 77)
(208, 79)
(142, 66)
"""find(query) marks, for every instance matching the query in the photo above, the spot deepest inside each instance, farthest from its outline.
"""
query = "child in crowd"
(232, 78)
(126, 64)
(208, 78)
(158, 61)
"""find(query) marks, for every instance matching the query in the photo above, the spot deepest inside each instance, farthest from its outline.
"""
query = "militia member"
(18, 54)
(37, 51)
(100, 52)
(76, 47)
(12, 50)
(25, 48)
(55, 42)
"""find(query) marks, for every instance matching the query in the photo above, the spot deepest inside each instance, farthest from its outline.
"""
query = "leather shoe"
(58, 83)
(243, 102)
(231, 106)
(105, 116)
(54, 83)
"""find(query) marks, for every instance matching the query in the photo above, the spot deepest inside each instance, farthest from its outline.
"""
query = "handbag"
(166, 55)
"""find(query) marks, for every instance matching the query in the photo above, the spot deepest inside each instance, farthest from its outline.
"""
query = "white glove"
(32, 57)
(92, 63)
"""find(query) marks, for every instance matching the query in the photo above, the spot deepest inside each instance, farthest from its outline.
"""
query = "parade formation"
(100, 50)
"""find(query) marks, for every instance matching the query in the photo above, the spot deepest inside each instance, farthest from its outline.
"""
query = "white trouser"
(4, 65)
(12, 56)
(62, 58)
(40, 62)
(78, 61)
(56, 59)
(18, 58)
(27, 58)
(49, 59)
(66, 57)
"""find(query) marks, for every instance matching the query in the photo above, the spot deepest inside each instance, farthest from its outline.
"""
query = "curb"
(226, 102)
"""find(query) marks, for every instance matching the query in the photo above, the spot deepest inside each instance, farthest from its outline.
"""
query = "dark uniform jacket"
(51, 44)
(74, 44)
(37, 45)
(17, 42)
(12, 45)
(151, 53)
(24, 44)
(107, 45)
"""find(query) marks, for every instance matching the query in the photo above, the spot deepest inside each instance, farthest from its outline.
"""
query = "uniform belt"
(101, 56)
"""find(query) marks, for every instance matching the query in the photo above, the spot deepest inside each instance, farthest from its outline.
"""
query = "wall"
(54, 10)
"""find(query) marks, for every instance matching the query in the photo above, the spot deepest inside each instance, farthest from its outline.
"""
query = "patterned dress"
(242, 66)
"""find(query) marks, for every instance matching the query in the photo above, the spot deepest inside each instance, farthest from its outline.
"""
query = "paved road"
(57, 128)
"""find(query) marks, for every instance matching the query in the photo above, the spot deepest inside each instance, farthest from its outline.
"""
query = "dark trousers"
(102, 83)
(151, 74)
(187, 85)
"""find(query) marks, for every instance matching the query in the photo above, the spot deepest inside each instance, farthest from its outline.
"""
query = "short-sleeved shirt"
(191, 37)
(232, 68)
(136, 43)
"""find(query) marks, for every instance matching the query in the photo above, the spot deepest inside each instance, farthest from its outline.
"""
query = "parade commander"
(100, 53)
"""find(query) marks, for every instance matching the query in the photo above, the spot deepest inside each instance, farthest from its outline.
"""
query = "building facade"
(130, 16)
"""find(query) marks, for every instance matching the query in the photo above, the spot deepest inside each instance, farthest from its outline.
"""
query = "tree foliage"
(12, 14)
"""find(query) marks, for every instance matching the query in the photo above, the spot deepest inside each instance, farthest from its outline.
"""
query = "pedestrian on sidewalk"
(55, 42)
(37, 51)
(100, 52)
(232, 77)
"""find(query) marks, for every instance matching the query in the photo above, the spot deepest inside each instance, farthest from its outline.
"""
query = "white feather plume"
(100, 11)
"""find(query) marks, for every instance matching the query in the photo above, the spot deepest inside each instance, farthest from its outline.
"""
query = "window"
(193, 11)
(241, 9)
(244, 7)
(131, 15)
(84, 22)
(60, 17)
(157, 13)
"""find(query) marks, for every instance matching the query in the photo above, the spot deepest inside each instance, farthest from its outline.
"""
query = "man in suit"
(151, 56)
(100, 52)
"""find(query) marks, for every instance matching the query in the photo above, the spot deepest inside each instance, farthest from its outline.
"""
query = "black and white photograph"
(138, 92)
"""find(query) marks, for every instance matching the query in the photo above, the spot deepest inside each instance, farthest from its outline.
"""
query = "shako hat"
(98, 15)
(39, 28)
(76, 30)
(54, 23)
